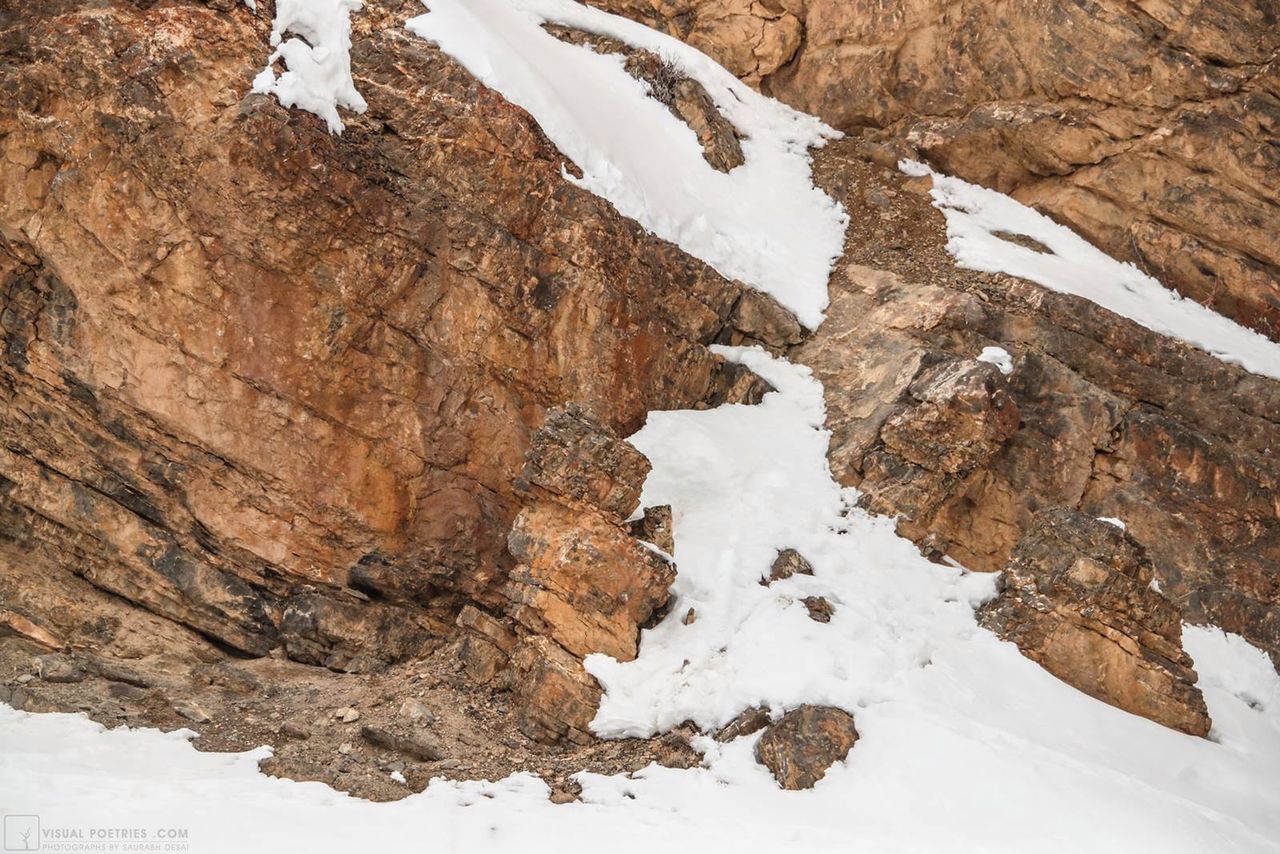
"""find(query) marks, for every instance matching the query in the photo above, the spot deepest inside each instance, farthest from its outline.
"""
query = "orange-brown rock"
(557, 697)
(270, 383)
(583, 581)
(1076, 597)
(1146, 126)
(805, 742)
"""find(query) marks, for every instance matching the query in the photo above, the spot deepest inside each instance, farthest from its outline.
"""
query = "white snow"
(1074, 266)
(999, 357)
(1112, 520)
(317, 58)
(763, 223)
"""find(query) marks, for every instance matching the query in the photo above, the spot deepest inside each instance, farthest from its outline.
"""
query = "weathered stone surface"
(800, 747)
(275, 385)
(558, 698)
(572, 456)
(12, 623)
(1112, 419)
(1146, 126)
(583, 581)
(1076, 597)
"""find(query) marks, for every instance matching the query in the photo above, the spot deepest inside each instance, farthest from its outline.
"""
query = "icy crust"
(763, 223)
(975, 218)
(317, 59)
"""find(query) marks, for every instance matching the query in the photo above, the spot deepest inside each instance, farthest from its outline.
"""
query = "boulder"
(800, 747)
(1077, 598)
(557, 697)
(583, 581)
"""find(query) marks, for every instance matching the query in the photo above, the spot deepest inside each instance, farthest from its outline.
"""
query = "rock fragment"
(1076, 598)
(804, 743)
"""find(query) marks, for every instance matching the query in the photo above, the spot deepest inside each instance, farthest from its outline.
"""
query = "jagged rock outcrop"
(1148, 127)
(278, 386)
(1077, 598)
(583, 582)
(806, 741)
(1097, 414)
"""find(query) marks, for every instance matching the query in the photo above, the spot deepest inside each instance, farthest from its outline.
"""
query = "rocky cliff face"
(273, 401)
(278, 386)
(1147, 127)
(1097, 413)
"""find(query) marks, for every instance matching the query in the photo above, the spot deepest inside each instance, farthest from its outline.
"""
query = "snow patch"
(763, 223)
(317, 58)
(999, 357)
(1112, 520)
(977, 216)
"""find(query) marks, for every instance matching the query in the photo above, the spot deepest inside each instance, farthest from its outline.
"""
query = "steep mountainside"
(406, 451)
(1149, 127)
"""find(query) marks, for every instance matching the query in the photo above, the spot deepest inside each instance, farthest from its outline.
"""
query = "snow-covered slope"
(763, 223)
(975, 218)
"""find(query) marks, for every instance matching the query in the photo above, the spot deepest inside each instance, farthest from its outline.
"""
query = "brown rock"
(1076, 597)
(558, 698)
(15, 624)
(789, 562)
(583, 581)
(804, 743)
(1113, 419)
(272, 368)
(1146, 127)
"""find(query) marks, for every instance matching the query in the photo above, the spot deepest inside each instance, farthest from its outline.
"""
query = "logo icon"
(22, 833)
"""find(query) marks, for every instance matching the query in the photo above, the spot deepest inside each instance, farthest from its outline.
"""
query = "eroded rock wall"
(276, 385)
(1147, 126)
(1097, 414)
